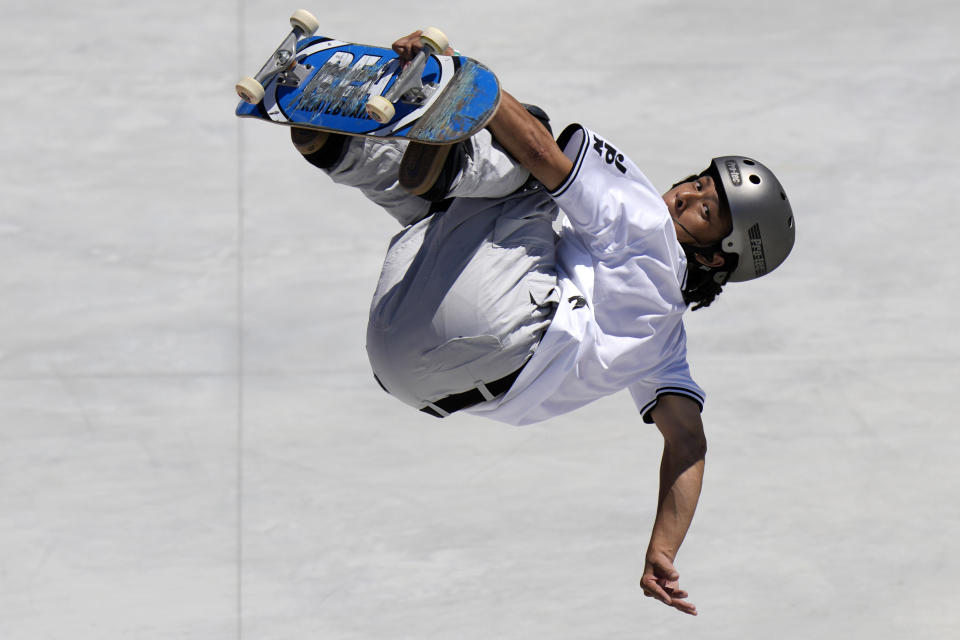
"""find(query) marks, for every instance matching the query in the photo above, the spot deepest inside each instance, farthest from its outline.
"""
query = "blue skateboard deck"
(458, 97)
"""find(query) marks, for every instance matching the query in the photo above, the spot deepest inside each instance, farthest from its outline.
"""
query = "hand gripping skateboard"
(341, 87)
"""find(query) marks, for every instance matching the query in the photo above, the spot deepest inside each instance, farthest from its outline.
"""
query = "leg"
(435, 171)
(369, 164)
(475, 168)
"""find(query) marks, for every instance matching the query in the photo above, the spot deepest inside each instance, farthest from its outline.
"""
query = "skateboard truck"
(409, 85)
(282, 63)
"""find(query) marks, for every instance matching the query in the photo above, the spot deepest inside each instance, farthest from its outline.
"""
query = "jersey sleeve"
(606, 198)
(673, 378)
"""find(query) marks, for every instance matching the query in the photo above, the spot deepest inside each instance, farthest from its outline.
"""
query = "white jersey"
(620, 273)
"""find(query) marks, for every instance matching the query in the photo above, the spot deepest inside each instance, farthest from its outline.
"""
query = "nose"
(685, 195)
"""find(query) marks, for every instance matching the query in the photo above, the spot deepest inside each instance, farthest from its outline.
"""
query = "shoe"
(308, 141)
(421, 166)
(320, 148)
(427, 170)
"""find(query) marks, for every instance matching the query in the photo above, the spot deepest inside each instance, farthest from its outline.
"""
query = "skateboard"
(330, 85)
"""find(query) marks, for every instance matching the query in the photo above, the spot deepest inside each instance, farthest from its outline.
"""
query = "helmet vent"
(790, 223)
(754, 178)
(783, 196)
(749, 162)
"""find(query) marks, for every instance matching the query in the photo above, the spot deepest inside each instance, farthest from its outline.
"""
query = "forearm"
(681, 480)
(529, 142)
(522, 135)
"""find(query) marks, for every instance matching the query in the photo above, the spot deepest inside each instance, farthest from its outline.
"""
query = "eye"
(706, 212)
(698, 185)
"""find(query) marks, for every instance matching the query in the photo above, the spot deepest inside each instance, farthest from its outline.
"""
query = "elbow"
(699, 448)
(686, 453)
(689, 444)
(540, 155)
(535, 148)
(678, 419)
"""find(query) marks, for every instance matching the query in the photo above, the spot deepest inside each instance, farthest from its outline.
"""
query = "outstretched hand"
(661, 581)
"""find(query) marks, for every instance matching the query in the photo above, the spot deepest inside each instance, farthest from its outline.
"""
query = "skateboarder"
(483, 306)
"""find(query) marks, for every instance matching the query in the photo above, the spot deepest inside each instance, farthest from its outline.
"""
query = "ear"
(715, 261)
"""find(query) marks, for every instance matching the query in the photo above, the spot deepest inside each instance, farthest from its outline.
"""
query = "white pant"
(465, 294)
(371, 165)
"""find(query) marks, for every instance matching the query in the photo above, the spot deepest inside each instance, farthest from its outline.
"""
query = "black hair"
(704, 283)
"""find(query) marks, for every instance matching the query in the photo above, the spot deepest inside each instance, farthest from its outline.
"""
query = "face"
(697, 216)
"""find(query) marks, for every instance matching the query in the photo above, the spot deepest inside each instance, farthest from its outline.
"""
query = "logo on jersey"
(734, 172)
(609, 153)
(756, 250)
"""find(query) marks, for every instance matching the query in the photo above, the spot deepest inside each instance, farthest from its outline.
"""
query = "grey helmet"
(763, 229)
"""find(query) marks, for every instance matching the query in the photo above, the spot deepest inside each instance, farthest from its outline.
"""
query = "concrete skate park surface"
(192, 445)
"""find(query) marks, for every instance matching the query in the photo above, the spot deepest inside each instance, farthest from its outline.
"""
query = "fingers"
(653, 589)
(677, 594)
(660, 581)
(663, 568)
(676, 598)
(685, 607)
(408, 46)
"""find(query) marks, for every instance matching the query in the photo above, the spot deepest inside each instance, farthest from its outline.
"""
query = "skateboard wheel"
(435, 39)
(250, 90)
(380, 109)
(305, 21)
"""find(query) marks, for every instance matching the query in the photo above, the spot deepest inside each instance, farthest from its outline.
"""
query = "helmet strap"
(677, 222)
(721, 272)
